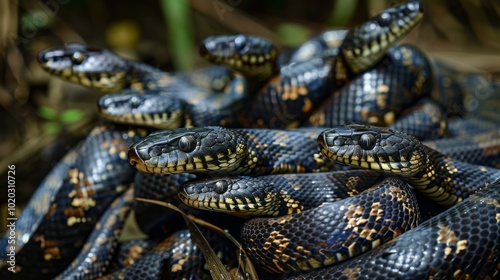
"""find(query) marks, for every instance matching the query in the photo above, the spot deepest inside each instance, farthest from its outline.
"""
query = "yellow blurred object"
(123, 34)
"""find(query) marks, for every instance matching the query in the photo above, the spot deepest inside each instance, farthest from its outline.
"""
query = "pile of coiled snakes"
(335, 160)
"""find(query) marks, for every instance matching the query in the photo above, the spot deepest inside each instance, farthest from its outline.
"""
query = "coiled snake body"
(308, 236)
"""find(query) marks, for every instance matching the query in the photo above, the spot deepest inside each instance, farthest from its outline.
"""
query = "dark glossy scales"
(323, 44)
(213, 95)
(39, 204)
(439, 177)
(95, 258)
(333, 232)
(292, 95)
(177, 257)
(229, 151)
(274, 195)
(469, 126)
(130, 251)
(425, 120)
(154, 220)
(144, 109)
(461, 243)
(208, 91)
(95, 68)
(447, 181)
(482, 149)
(463, 93)
(380, 94)
(101, 172)
(283, 152)
(447, 89)
(219, 110)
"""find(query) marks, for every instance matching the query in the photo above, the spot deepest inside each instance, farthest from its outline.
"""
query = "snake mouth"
(376, 148)
(135, 160)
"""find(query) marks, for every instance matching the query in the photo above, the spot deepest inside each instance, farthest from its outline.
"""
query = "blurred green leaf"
(292, 34)
(47, 113)
(343, 12)
(36, 19)
(51, 128)
(71, 116)
(180, 38)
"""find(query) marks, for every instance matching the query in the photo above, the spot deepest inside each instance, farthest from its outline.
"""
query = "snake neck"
(448, 181)
(280, 151)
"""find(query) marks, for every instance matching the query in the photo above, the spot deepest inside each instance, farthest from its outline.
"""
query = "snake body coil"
(461, 243)
(77, 200)
(333, 232)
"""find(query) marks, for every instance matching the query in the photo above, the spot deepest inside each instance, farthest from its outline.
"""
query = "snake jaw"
(389, 151)
(207, 149)
(133, 107)
(252, 55)
(95, 68)
(240, 196)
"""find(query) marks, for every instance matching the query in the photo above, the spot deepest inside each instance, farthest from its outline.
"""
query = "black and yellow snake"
(286, 94)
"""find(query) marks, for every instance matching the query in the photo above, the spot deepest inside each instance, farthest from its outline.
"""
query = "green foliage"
(292, 34)
(343, 12)
(47, 113)
(56, 120)
(71, 116)
(180, 35)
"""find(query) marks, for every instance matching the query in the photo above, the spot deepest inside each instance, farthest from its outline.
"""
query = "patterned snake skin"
(461, 243)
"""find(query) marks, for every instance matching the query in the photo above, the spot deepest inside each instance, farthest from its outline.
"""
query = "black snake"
(212, 150)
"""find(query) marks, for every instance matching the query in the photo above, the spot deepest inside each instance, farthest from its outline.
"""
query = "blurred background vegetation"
(41, 117)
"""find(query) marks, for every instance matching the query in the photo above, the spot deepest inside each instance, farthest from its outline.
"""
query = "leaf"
(47, 113)
(180, 38)
(292, 34)
(343, 12)
(51, 128)
(216, 268)
(71, 116)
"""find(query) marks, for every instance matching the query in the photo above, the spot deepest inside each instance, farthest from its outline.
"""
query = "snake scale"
(461, 243)
(336, 77)
(79, 191)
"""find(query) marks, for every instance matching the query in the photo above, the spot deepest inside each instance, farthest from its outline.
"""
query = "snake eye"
(77, 58)
(220, 187)
(367, 141)
(187, 143)
(240, 42)
(384, 19)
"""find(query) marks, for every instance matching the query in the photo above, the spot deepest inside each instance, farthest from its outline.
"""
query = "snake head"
(207, 149)
(95, 68)
(376, 148)
(152, 110)
(249, 54)
(367, 43)
(242, 196)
